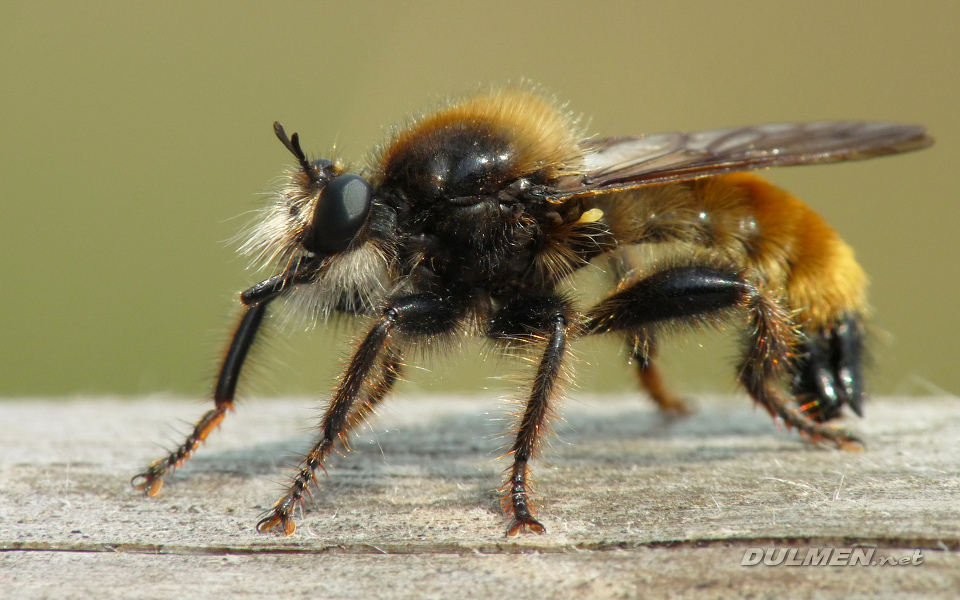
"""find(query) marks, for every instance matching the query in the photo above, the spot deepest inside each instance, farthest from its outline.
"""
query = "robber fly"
(466, 221)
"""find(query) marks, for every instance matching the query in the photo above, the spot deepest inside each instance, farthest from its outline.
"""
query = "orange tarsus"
(850, 445)
(154, 487)
(667, 402)
(214, 422)
(150, 486)
(520, 527)
(288, 525)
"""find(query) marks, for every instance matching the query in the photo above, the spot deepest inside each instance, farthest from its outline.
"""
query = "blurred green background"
(136, 139)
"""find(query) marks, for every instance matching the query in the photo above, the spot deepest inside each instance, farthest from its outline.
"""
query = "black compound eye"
(341, 210)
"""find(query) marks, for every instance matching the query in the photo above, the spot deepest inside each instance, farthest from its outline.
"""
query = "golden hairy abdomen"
(745, 221)
(791, 245)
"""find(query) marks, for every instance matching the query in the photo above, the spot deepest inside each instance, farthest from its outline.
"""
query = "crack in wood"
(404, 548)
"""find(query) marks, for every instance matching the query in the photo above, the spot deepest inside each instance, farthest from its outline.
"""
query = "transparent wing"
(623, 163)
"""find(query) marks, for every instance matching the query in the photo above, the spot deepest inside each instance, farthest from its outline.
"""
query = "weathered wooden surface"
(635, 504)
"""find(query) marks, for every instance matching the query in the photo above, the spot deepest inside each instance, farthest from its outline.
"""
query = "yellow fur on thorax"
(544, 136)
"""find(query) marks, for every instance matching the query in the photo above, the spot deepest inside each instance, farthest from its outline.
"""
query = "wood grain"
(634, 503)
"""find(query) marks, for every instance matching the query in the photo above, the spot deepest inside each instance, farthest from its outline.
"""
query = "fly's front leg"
(545, 318)
(420, 315)
(151, 480)
(256, 299)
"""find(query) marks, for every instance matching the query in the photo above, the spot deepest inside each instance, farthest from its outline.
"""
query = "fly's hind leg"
(703, 294)
(828, 372)
(421, 316)
(766, 360)
(643, 350)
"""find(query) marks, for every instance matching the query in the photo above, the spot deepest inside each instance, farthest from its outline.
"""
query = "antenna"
(293, 145)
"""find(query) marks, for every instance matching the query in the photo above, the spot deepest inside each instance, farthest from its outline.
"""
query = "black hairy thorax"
(467, 222)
